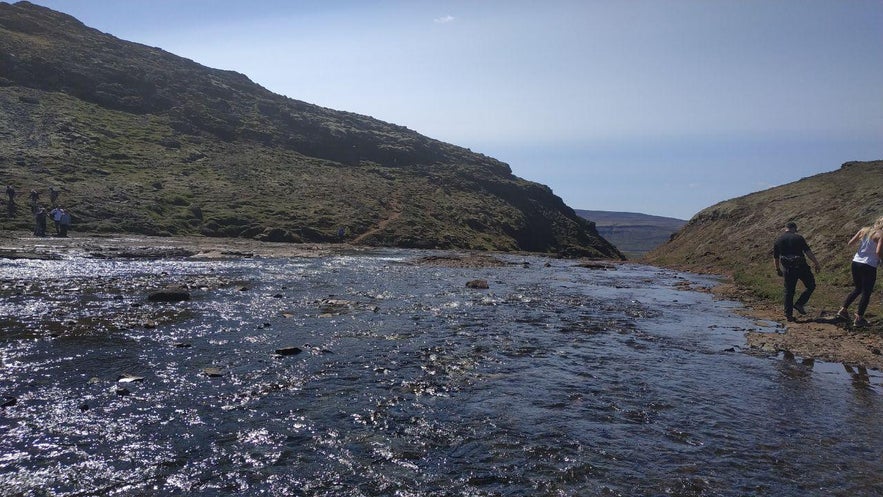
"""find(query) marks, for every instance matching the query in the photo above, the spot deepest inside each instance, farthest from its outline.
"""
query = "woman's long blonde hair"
(869, 230)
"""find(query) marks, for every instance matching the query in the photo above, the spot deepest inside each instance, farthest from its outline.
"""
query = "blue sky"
(663, 107)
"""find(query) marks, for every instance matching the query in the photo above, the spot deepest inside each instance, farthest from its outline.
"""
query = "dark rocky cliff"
(141, 140)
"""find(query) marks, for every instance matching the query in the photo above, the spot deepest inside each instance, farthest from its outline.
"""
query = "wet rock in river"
(606, 266)
(129, 378)
(474, 260)
(478, 284)
(8, 401)
(27, 254)
(332, 307)
(170, 294)
(289, 351)
(144, 252)
(212, 372)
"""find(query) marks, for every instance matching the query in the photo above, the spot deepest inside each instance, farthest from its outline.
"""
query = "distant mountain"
(735, 237)
(140, 140)
(632, 233)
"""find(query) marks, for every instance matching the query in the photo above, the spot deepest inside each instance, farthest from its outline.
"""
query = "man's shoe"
(790, 319)
(799, 308)
(842, 313)
(859, 321)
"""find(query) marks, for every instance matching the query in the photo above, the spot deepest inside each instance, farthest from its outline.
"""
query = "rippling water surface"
(558, 380)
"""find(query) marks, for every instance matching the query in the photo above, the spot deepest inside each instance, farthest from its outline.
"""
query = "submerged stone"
(170, 294)
(478, 284)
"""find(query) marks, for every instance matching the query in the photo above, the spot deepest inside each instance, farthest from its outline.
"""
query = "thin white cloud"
(444, 19)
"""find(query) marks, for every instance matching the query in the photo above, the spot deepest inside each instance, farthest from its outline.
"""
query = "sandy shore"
(818, 335)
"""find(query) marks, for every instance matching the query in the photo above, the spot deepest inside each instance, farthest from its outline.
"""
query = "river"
(395, 379)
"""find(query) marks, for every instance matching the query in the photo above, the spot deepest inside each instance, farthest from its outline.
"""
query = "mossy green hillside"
(736, 236)
(140, 140)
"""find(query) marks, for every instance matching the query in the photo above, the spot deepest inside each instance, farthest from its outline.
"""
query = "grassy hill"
(632, 233)
(735, 237)
(140, 140)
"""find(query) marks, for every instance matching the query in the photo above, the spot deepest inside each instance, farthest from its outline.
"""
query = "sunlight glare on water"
(364, 374)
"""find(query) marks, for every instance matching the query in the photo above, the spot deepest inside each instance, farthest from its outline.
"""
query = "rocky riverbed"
(338, 370)
(818, 335)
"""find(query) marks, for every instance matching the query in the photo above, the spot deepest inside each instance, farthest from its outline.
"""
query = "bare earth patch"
(818, 335)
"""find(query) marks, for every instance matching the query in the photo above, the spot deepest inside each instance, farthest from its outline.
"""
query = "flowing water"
(557, 380)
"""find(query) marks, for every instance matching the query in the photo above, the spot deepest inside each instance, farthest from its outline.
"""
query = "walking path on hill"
(395, 206)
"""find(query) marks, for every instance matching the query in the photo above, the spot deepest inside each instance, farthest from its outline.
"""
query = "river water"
(557, 380)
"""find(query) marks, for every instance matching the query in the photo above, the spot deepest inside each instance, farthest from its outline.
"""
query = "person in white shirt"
(864, 270)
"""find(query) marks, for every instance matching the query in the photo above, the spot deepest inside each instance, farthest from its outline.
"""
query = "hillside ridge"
(633, 233)
(735, 237)
(140, 140)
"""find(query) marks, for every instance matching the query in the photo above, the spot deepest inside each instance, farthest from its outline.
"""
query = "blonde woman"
(864, 269)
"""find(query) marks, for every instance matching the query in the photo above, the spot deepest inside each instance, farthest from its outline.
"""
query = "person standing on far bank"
(40, 228)
(790, 252)
(65, 222)
(35, 198)
(55, 214)
(864, 270)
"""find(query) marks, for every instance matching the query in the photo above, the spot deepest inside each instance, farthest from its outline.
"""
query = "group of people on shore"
(60, 217)
(790, 252)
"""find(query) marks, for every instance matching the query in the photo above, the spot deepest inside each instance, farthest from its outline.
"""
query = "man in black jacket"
(790, 252)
